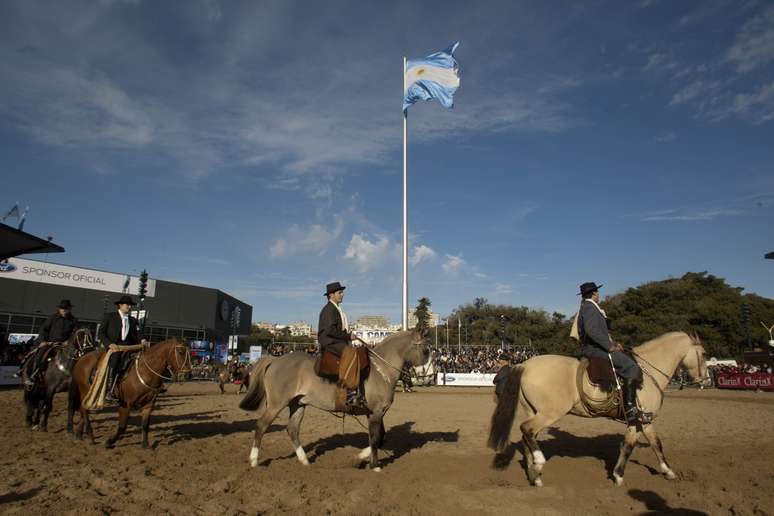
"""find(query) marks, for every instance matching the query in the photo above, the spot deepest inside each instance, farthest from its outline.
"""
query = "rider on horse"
(594, 336)
(334, 337)
(57, 328)
(118, 333)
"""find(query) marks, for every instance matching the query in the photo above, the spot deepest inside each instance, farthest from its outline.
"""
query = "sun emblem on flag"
(420, 71)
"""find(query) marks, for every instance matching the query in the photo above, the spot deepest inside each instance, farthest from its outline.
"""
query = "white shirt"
(124, 324)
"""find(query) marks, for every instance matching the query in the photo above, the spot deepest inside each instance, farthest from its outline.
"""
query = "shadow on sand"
(18, 497)
(398, 441)
(657, 505)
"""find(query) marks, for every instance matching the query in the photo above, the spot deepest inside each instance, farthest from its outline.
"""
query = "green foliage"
(422, 313)
(697, 303)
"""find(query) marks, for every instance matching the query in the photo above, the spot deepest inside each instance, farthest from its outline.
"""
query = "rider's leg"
(115, 357)
(632, 380)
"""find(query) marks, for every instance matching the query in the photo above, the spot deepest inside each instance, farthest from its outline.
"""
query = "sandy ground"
(435, 462)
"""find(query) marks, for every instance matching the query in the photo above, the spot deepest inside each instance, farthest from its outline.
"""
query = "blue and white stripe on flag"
(436, 76)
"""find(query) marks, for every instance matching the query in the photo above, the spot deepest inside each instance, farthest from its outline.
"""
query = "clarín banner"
(762, 381)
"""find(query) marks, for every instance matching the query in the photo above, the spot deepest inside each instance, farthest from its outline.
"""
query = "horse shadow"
(18, 497)
(398, 441)
(657, 505)
(191, 431)
(564, 444)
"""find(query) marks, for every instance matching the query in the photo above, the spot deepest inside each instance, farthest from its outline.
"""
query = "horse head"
(418, 352)
(179, 357)
(81, 339)
(694, 362)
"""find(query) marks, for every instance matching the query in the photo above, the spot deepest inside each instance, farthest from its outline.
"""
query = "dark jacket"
(57, 328)
(330, 334)
(592, 327)
(110, 330)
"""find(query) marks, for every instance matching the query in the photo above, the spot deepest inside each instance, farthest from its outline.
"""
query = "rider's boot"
(111, 381)
(355, 399)
(634, 415)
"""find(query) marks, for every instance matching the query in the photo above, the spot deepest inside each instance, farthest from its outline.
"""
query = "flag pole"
(404, 313)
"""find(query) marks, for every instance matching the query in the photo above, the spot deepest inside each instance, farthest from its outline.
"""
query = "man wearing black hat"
(57, 328)
(334, 337)
(117, 332)
(594, 336)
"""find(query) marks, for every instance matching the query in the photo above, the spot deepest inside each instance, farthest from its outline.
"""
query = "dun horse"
(56, 377)
(545, 388)
(137, 389)
(290, 381)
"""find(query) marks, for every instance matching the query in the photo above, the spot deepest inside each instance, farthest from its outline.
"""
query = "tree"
(422, 313)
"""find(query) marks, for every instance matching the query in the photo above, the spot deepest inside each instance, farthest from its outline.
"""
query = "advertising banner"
(42, 272)
(221, 353)
(762, 381)
(255, 353)
(465, 379)
(244, 357)
(18, 339)
(373, 336)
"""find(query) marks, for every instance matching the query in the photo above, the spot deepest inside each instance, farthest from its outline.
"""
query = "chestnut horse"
(138, 388)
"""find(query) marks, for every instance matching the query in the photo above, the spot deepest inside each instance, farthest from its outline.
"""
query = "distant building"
(300, 329)
(266, 326)
(432, 320)
(371, 321)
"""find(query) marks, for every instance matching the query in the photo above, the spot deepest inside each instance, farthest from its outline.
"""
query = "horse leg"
(123, 417)
(146, 412)
(294, 426)
(627, 446)
(87, 425)
(655, 443)
(268, 414)
(534, 456)
(48, 404)
(375, 439)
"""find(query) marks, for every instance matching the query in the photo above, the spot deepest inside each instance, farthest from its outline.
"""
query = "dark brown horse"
(137, 389)
(54, 378)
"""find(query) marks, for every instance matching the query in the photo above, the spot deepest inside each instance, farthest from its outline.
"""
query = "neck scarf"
(344, 322)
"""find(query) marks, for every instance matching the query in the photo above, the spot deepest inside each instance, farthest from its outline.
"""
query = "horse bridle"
(186, 360)
(377, 355)
(701, 380)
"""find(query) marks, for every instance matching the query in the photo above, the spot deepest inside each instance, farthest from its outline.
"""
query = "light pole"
(459, 334)
(447, 333)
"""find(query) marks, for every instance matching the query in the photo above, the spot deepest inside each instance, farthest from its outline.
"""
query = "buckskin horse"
(55, 378)
(545, 388)
(138, 388)
(290, 381)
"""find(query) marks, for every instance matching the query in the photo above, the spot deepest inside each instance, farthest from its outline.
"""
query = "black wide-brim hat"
(125, 300)
(588, 288)
(65, 303)
(330, 288)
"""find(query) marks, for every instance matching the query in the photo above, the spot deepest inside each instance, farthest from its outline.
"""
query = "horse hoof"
(538, 482)
(35, 427)
(618, 479)
(108, 445)
(377, 469)
(670, 475)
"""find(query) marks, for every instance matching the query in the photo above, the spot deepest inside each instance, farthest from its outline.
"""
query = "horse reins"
(669, 377)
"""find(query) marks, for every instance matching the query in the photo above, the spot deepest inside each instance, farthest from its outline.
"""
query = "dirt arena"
(436, 462)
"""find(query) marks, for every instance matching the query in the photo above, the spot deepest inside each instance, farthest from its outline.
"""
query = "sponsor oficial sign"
(762, 381)
(53, 274)
(465, 379)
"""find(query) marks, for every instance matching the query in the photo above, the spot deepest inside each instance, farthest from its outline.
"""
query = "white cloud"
(754, 46)
(421, 254)
(314, 239)
(666, 137)
(678, 215)
(453, 264)
(369, 254)
(503, 289)
(759, 105)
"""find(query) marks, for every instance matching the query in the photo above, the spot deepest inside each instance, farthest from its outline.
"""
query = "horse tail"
(505, 412)
(256, 390)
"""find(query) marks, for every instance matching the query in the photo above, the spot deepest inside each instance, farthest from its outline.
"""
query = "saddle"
(597, 389)
(327, 365)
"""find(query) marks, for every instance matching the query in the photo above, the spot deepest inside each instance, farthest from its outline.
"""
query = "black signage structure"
(15, 242)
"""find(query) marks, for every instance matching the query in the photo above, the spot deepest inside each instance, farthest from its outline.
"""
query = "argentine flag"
(436, 76)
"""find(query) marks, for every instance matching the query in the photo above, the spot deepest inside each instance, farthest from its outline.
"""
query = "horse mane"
(653, 343)
(394, 336)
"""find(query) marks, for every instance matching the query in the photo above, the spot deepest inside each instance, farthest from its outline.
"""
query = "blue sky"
(255, 147)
